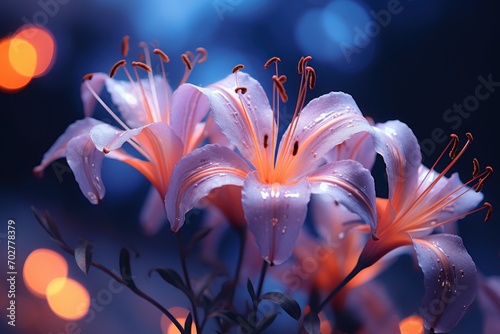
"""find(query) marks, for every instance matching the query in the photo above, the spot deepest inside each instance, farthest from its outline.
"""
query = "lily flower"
(420, 200)
(160, 125)
(277, 179)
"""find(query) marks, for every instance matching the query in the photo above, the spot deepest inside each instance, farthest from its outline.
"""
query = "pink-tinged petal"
(136, 107)
(189, 108)
(399, 147)
(359, 147)
(158, 142)
(196, 174)
(324, 123)
(450, 280)
(86, 161)
(331, 219)
(488, 295)
(246, 119)
(88, 99)
(275, 214)
(215, 135)
(153, 214)
(58, 149)
(461, 201)
(348, 182)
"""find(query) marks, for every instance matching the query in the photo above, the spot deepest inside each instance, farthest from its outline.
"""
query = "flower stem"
(357, 269)
(242, 232)
(261, 278)
(182, 255)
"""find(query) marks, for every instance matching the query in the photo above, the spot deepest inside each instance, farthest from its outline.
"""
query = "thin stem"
(120, 280)
(242, 232)
(261, 278)
(182, 255)
(339, 287)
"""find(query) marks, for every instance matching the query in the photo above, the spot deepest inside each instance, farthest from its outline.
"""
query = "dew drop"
(274, 221)
(283, 230)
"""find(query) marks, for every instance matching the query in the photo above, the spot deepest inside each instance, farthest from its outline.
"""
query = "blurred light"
(22, 57)
(332, 33)
(413, 324)
(27, 54)
(180, 313)
(10, 79)
(67, 298)
(40, 268)
(44, 44)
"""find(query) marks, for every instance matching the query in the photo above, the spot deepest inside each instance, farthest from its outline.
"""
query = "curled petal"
(88, 99)
(189, 107)
(196, 174)
(323, 123)
(275, 215)
(450, 280)
(246, 119)
(359, 147)
(58, 149)
(460, 202)
(348, 182)
(86, 161)
(158, 143)
(398, 146)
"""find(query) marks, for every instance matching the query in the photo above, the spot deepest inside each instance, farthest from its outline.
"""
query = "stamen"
(142, 65)
(266, 137)
(203, 53)
(88, 76)
(488, 213)
(488, 171)
(105, 150)
(238, 67)
(241, 90)
(469, 136)
(162, 55)
(186, 61)
(300, 65)
(116, 66)
(189, 54)
(295, 148)
(282, 78)
(280, 88)
(312, 77)
(270, 61)
(453, 151)
(475, 164)
(125, 47)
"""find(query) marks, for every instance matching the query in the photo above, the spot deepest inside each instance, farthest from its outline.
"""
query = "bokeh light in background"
(28, 54)
(40, 268)
(67, 298)
(413, 324)
(180, 314)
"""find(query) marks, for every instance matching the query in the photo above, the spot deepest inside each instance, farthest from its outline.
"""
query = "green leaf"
(83, 255)
(311, 323)
(48, 224)
(172, 278)
(287, 303)
(251, 291)
(125, 269)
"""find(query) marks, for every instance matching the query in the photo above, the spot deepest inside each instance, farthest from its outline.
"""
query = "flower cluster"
(220, 146)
